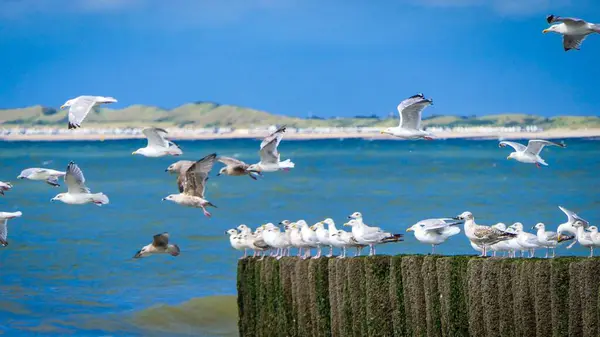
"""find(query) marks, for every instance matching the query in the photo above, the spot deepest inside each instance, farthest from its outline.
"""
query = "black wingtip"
(73, 126)
(550, 18)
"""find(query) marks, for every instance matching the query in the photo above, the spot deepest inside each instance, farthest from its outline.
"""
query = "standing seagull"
(158, 145)
(573, 30)
(483, 236)
(77, 192)
(573, 221)
(4, 217)
(529, 154)
(192, 185)
(410, 118)
(81, 106)
(235, 167)
(48, 175)
(269, 156)
(160, 245)
(4, 187)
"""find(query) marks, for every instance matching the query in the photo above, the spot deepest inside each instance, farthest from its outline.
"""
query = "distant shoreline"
(178, 135)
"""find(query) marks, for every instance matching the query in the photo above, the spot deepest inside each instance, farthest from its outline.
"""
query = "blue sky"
(331, 58)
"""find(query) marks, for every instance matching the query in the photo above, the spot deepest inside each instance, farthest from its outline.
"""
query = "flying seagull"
(4, 217)
(573, 30)
(4, 187)
(48, 175)
(235, 167)
(160, 245)
(269, 156)
(410, 119)
(529, 154)
(77, 192)
(179, 167)
(192, 185)
(158, 145)
(435, 231)
(81, 106)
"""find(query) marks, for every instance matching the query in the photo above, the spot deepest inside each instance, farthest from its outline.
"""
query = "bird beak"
(409, 229)
(508, 157)
(166, 170)
(312, 227)
(456, 218)
(382, 132)
(545, 31)
(62, 107)
(218, 174)
(138, 254)
(163, 199)
(345, 224)
(133, 152)
(349, 216)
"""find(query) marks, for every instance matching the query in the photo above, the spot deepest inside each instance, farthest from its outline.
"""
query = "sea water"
(68, 270)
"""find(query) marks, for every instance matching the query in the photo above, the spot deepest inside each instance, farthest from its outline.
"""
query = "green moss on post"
(318, 281)
(356, 287)
(397, 297)
(476, 323)
(432, 295)
(506, 313)
(575, 321)
(247, 300)
(542, 296)
(334, 306)
(590, 274)
(524, 300)
(303, 299)
(343, 297)
(414, 295)
(270, 294)
(559, 282)
(287, 272)
(452, 286)
(490, 296)
(378, 306)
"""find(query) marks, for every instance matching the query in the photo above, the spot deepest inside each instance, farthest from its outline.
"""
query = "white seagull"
(410, 119)
(529, 154)
(323, 238)
(570, 226)
(573, 30)
(585, 238)
(81, 106)
(366, 235)
(4, 217)
(4, 186)
(270, 156)
(237, 242)
(158, 145)
(48, 175)
(192, 185)
(526, 240)
(160, 245)
(77, 192)
(435, 231)
(550, 239)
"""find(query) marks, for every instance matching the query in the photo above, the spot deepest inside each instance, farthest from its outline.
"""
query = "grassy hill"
(207, 114)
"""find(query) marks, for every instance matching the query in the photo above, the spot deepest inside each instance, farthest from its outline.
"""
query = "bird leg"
(318, 253)
(592, 251)
(538, 165)
(531, 252)
(553, 252)
(286, 169)
(330, 251)
(427, 138)
(432, 249)
(206, 213)
(357, 251)
(299, 252)
(373, 251)
(547, 251)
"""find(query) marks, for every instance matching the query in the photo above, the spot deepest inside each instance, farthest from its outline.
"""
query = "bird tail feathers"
(393, 238)
(100, 199)
(287, 164)
(109, 100)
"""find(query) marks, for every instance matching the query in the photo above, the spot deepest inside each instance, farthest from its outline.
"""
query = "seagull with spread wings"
(81, 106)
(158, 144)
(573, 30)
(48, 175)
(5, 186)
(435, 231)
(269, 155)
(235, 167)
(77, 192)
(529, 154)
(160, 245)
(192, 185)
(410, 111)
(4, 217)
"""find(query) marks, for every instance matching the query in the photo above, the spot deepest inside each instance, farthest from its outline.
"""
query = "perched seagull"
(410, 119)
(160, 245)
(269, 155)
(586, 238)
(323, 238)
(237, 242)
(309, 237)
(550, 239)
(235, 167)
(4, 187)
(192, 185)
(81, 106)
(482, 236)
(570, 226)
(253, 241)
(47, 175)
(526, 240)
(346, 240)
(77, 192)
(4, 217)
(366, 235)
(158, 145)
(529, 154)
(573, 30)
(435, 231)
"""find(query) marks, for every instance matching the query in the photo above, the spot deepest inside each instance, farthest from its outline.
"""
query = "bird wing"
(231, 161)
(551, 236)
(410, 111)
(517, 146)
(268, 151)
(535, 146)
(568, 21)
(436, 224)
(161, 240)
(572, 217)
(278, 134)
(195, 177)
(573, 41)
(4, 232)
(75, 180)
(156, 137)
(80, 109)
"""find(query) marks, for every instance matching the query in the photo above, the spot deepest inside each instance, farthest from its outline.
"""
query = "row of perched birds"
(324, 234)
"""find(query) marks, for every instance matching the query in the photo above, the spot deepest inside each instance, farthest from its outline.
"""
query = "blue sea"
(68, 270)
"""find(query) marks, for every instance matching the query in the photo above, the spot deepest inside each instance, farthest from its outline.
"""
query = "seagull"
(269, 155)
(309, 237)
(410, 118)
(235, 167)
(569, 226)
(550, 239)
(346, 240)
(158, 145)
(323, 238)
(435, 231)
(237, 242)
(529, 154)
(160, 245)
(192, 185)
(573, 30)
(4, 187)
(483, 236)
(296, 239)
(48, 175)
(586, 238)
(179, 167)
(79, 108)
(77, 192)
(526, 240)
(366, 235)
(253, 241)
(4, 217)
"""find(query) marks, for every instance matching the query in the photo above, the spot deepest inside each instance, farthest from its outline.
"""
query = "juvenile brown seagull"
(235, 167)
(160, 245)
